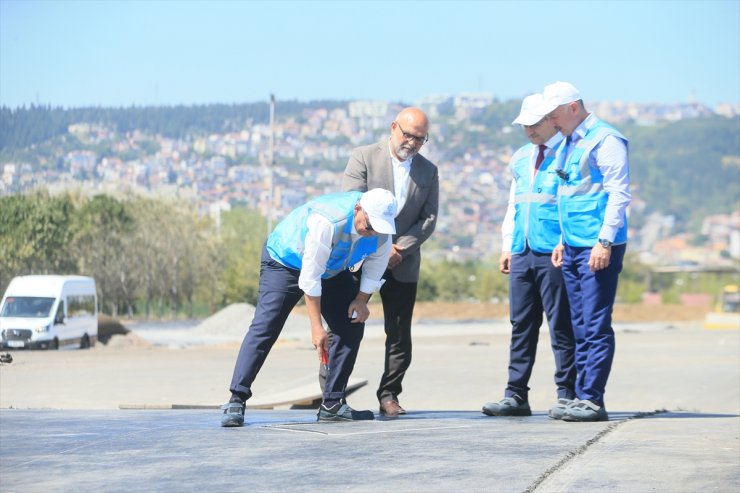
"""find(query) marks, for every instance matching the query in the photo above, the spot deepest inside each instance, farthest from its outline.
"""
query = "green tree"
(490, 283)
(102, 242)
(242, 237)
(453, 281)
(34, 235)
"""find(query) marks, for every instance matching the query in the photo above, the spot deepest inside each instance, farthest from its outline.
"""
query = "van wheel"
(54, 344)
(85, 342)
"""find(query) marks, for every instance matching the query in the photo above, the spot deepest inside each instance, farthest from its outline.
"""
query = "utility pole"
(270, 164)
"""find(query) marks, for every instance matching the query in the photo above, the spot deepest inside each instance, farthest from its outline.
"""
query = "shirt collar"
(582, 129)
(553, 142)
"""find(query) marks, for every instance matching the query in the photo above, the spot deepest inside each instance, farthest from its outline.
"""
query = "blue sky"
(119, 53)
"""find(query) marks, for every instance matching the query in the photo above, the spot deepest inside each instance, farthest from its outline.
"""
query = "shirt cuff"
(506, 245)
(310, 286)
(607, 233)
(369, 286)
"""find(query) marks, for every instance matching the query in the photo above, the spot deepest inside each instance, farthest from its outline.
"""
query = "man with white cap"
(530, 233)
(593, 195)
(310, 252)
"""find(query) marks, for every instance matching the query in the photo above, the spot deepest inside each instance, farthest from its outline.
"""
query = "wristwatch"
(605, 243)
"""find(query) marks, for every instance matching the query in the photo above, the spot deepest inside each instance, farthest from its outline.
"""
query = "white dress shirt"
(507, 227)
(401, 171)
(317, 248)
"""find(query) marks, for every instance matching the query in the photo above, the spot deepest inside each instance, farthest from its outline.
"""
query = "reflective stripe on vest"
(535, 203)
(582, 199)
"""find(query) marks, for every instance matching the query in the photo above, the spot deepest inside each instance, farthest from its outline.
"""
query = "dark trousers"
(591, 296)
(535, 285)
(398, 308)
(278, 295)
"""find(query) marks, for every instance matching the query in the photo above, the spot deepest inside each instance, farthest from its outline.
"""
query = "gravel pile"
(129, 340)
(233, 321)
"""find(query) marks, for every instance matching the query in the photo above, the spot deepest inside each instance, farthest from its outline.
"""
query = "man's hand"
(504, 262)
(320, 340)
(557, 255)
(319, 336)
(395, 257)
(358, 310)
(599, 258)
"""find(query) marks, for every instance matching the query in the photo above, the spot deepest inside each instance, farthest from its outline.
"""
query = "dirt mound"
(130, 340)
(108, 327)
(234, 320)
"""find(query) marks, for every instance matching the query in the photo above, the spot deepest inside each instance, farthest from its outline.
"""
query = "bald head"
(408, 133)
(414, 117)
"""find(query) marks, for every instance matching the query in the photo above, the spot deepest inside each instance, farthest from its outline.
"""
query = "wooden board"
(304, 397)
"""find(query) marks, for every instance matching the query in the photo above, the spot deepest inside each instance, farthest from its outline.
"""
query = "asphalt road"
(673, 399)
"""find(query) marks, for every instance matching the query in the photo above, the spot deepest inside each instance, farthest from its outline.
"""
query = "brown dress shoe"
(391, 409)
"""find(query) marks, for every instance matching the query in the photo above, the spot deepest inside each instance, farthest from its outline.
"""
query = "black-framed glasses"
(415, 138)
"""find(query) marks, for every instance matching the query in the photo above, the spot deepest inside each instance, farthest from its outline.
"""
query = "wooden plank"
(304, 397)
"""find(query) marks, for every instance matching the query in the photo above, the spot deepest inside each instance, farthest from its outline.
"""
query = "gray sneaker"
(508, 406)
(233, 414)
(342, 412)
(585, 411)
(557, 411)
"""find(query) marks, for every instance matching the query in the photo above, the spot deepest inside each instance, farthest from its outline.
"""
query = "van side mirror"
(59, 319)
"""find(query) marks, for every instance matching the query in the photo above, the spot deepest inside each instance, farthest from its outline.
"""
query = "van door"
(81, 318)
(60, 322)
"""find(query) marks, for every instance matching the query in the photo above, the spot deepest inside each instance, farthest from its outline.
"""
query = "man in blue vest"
(593, 195)
(310, 252)
(530, 233)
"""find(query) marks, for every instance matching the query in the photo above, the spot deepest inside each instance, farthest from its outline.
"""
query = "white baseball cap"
(530, 112)
(380, 206)
(556, 94)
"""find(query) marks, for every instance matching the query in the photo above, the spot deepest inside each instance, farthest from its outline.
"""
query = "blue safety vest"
(581, 197)
(535, 203)
(287, 242)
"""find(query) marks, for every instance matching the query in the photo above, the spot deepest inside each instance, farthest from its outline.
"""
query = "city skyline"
(123, 53)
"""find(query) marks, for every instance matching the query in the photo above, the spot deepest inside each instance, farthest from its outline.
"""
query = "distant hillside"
(689, 168)
(24, 127)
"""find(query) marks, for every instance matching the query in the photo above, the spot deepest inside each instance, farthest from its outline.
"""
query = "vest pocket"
(583, 217)
(338, 257)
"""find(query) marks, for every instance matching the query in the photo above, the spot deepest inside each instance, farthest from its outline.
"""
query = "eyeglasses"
(415, 138)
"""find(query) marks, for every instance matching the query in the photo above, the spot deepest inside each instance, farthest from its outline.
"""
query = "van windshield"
(27, 307)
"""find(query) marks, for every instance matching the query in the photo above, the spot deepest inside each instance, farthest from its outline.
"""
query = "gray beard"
(404, 154)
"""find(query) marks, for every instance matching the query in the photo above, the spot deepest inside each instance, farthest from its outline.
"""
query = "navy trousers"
(591, 296)
(278, 295)
(535, 285)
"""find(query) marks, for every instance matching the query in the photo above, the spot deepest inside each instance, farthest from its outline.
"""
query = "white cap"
(530, 112)
(380, 206)
(558, 93)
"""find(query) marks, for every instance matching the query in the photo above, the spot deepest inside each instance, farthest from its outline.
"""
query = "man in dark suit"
(396, 165)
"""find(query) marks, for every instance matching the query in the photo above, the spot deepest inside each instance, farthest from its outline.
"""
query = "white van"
(49, 312)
